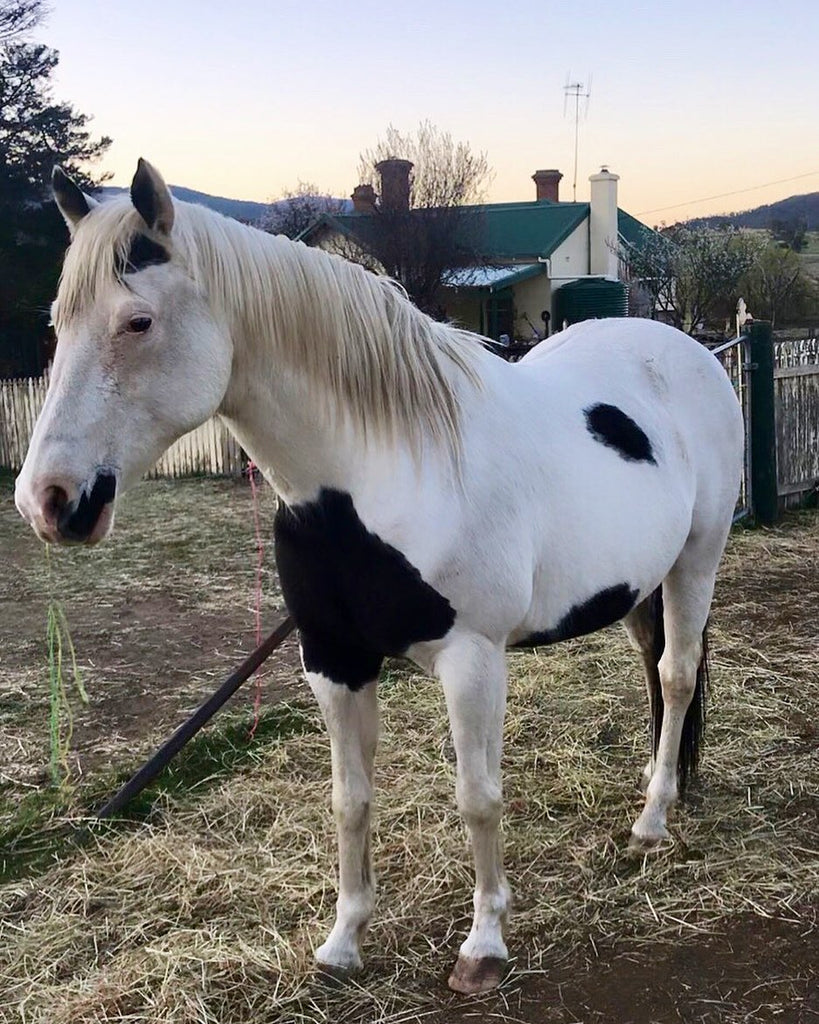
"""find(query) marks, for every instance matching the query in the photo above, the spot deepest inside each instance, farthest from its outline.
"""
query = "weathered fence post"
(763, 425)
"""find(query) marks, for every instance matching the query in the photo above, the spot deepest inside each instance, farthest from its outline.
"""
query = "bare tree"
(297, 209)
(692, 275)
(434, 231)
(18, 17)
(776, 286)
(445, 173)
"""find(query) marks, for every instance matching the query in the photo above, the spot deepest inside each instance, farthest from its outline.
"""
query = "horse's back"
(599, 453)
(657, 369)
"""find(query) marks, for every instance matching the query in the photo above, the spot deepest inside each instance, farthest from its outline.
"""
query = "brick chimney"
(363, 198)
(546, 183)
(603, 227)
(395, 184)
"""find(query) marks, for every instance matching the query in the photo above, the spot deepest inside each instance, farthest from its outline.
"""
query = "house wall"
(571, 257)
(531, 298)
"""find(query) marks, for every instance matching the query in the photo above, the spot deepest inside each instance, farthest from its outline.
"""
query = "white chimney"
(603, 238)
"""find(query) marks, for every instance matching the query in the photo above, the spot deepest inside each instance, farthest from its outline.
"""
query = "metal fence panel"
(735, 358)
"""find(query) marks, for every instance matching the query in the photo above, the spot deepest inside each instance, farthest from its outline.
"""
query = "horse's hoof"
(331, 976)
(638, 846)
(472, 976)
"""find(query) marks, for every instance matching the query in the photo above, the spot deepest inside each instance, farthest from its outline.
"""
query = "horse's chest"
(345, 587)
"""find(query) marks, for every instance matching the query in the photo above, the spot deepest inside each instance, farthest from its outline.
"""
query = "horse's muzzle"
(56, 518)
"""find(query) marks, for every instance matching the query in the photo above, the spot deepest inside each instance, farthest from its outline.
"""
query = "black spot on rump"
(143, 252)
(355, 598)
(611, 427)
(604, 608)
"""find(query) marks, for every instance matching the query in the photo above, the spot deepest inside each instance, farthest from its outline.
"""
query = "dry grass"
(208, 911)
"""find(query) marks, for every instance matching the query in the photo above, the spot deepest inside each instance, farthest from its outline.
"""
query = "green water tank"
(588, 299)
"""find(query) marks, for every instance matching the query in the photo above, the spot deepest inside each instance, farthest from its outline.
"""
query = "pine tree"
(35, 133)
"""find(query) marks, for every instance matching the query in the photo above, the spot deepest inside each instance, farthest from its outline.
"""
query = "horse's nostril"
(54, 501)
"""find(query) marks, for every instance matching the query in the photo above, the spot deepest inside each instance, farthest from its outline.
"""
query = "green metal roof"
(501, 232)
(631, 230)
(520, 231)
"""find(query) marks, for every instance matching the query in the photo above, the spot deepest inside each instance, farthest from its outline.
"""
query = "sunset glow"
(687, 102)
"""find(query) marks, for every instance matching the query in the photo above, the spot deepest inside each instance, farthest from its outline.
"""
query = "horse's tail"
(694, 724)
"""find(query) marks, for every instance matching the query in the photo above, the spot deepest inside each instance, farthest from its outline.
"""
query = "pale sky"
(242, 99)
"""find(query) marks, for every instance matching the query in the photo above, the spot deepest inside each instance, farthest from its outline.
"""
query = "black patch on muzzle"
(77, 521)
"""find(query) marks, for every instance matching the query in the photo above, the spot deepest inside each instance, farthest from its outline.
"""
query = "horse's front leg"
(352, 722)
(473, 673)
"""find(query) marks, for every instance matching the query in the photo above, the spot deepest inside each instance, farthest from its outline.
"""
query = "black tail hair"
(694, 724)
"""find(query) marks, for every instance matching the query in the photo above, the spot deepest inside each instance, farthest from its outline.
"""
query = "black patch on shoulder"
(604, 608)
(611, 427)
(355, 598)
(143, 252)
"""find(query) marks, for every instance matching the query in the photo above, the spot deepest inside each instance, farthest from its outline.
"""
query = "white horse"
(435, 501)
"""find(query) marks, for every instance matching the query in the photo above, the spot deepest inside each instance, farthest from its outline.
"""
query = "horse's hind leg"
(687, 593)
(644, 626)
(352, 722)
(473, 673)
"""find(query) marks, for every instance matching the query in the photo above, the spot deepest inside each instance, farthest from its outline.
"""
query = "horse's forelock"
(97, 256)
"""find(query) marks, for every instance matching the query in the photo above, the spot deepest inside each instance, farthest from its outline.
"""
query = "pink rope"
(257, 696)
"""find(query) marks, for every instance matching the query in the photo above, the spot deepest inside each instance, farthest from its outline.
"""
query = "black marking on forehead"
(142, 253)
(611, 427)
(600, 610)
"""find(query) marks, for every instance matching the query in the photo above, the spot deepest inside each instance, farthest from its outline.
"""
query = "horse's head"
(140, 359)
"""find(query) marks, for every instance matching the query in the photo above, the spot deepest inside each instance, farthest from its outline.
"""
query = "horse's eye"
(139, 324)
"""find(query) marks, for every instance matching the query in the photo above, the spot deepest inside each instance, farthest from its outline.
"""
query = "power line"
(723, 195)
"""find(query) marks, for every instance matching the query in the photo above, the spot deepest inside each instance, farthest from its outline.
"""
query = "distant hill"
(239, 209)
(799, 208)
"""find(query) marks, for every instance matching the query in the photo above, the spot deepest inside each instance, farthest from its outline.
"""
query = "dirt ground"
(161, 616)
(166, 616)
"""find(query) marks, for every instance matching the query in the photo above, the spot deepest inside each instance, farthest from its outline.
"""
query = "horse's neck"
(277, 421)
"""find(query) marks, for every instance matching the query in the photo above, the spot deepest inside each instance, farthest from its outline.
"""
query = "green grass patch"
(49, 823)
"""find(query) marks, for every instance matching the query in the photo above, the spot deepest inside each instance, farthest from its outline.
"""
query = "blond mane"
(355, 336)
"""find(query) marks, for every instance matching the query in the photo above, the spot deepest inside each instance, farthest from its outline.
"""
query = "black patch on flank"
(604, 608)
(142, 253)
(611, 427)
(76, 522)
(355, 598)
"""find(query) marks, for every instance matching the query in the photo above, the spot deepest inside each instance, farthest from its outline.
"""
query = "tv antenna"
(576, 91)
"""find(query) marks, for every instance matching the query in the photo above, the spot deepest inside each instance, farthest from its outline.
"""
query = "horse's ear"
(71, 201)
(151, 197)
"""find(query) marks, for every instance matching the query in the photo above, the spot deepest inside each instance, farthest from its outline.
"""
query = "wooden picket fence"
(210, 450)
(796, 395)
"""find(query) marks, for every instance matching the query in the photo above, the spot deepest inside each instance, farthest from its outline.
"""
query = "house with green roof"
(525, 252)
